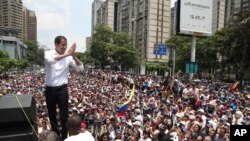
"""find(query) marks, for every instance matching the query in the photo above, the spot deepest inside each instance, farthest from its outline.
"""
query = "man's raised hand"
(71, 51)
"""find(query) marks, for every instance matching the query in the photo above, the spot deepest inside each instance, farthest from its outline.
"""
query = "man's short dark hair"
(59, 38)
(74, 122)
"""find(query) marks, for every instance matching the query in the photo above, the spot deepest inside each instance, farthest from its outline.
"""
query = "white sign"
(196, 17)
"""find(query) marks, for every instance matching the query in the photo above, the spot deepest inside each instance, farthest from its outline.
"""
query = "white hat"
(247, 108)
(79, 105)
(149, 116)
(196, 123)
(139, 118)
(183, 122)
(201, 110)
(75, 100)
(238, 113)
(192, 117)
(74, 109)
(137, 110)
(178, 115)
(138, 123)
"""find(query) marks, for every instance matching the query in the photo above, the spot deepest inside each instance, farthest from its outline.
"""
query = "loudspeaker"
(14, 125)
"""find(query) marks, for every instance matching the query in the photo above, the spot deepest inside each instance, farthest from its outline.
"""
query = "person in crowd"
(76, 129)
(104, 137)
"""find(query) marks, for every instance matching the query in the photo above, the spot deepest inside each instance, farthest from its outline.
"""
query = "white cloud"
(51, 14)
(53, 19)
(172, 2)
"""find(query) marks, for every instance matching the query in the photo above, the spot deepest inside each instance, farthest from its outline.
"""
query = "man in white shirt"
(57, 63)
(75, 133)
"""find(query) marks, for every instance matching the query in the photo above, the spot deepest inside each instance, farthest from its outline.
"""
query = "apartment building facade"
(107, 14)
(148, 22)
(11, 18)
(29, 25)
(95, 6)
(88, 43)
(232, 7)
(218, 17)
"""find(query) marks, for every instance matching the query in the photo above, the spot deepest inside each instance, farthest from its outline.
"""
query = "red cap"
(83, 125)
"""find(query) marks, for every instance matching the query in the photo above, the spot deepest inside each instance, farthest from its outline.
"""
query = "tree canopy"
(113, 48)
(6, 63)
(228, 49)
(35, 55)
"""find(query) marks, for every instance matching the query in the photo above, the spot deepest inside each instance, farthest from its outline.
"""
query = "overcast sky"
(71, 18)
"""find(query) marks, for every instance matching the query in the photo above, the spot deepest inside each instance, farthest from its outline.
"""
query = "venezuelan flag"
(124, 107)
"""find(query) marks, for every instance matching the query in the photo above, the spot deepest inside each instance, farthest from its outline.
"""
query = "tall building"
(95, 6)
(232, 7)
(148, 22)
(88, 43)
(173, 20)
(29, 25)
(107, 14)
(218, 15)
(11, 18)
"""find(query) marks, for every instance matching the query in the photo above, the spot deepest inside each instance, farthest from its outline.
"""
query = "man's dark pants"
(58, 95)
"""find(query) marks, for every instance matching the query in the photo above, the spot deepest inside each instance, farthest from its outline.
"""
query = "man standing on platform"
(57, 63)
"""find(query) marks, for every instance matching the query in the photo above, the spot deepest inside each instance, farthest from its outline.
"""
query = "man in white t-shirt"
(75, 132)
(85, 133)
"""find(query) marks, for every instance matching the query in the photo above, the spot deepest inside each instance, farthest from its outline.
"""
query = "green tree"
(102, 36)
(182, 44)
(205, 52)
(86, 58)
(32, 51)
(4, 54)
(206, 55)
(6, 63)
(122, 52)
(112, 48)
(234, 45)
(231, 43)
(35, 55)
(240, 43)
(40, 57)
(156, 66)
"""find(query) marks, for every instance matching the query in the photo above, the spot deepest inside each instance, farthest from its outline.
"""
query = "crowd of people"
(162, 108)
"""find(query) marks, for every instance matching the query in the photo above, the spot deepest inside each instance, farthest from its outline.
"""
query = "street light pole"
(174, 51)
(193, 50)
